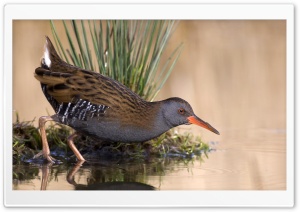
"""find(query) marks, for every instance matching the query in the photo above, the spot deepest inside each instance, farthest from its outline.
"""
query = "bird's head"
(177, 111)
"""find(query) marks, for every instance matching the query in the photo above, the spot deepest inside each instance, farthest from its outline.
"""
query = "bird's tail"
(50, 56)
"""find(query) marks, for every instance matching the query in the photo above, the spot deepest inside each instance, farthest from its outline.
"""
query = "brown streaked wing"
(80, 84)
(95, 88)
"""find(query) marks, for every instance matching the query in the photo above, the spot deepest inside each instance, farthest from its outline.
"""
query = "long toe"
(51, 159)
(48, 157)
(38, 155)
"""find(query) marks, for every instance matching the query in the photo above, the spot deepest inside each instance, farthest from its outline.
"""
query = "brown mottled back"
(65, 83)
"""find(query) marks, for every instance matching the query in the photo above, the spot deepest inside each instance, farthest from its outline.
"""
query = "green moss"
(27, 143)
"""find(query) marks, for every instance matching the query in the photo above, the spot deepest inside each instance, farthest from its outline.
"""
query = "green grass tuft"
(127, 51)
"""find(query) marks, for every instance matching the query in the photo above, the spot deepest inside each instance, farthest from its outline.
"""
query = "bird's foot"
(48, 157)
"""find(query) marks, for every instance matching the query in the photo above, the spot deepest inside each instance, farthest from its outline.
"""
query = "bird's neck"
(160, 122)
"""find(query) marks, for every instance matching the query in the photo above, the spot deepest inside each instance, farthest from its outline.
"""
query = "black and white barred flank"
(80, 110)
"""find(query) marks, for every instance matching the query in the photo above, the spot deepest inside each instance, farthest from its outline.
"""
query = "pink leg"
(73, 147)
(46, 151)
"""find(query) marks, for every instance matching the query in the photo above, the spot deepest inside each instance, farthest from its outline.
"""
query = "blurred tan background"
(233, 73)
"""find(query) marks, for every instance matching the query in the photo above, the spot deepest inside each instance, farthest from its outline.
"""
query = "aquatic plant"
(129, 51)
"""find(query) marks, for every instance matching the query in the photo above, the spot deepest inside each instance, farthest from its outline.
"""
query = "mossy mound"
(27, 143)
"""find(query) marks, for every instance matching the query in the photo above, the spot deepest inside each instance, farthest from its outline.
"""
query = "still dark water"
(249, 160)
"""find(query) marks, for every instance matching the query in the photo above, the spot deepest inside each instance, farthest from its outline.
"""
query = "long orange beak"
(201, 123)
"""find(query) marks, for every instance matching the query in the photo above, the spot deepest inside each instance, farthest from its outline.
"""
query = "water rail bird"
(102, 108)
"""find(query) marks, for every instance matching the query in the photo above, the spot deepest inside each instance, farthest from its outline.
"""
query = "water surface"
(254, 160)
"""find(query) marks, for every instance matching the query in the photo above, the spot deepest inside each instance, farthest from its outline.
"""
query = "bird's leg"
(73, 147)
(46, 151)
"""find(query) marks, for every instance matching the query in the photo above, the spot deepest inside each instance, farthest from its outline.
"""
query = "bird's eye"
(181, 111)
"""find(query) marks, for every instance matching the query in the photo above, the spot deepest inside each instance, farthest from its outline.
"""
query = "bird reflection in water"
(46, 170)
